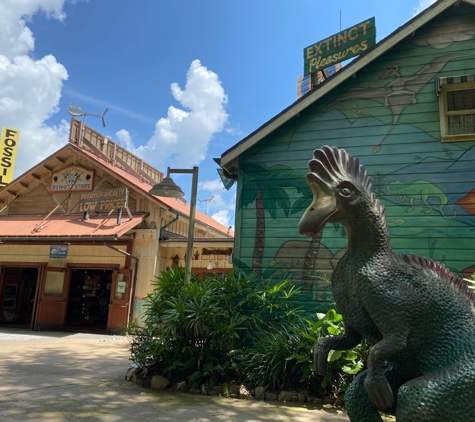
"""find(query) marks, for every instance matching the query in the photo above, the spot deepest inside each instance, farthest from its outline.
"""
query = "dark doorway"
(17, 294)
(89, 297)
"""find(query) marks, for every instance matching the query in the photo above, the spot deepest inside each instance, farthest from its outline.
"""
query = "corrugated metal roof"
(172, 203)
(66, 226)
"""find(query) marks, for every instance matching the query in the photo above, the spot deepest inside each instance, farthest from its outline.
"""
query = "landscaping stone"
(302, 398)
(180, 386)
(285, 396)
(260, 393)
(271, 397)
(159, 382)
(295, 398)
(326, 400)
(216, 390)
(195, 391)
(245, 394)
(147, 383)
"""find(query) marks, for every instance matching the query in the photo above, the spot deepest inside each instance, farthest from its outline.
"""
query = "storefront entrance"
(89, 297)
(17, 293)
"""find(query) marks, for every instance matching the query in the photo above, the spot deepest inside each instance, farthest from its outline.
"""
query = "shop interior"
(17, 294)
(89, 297)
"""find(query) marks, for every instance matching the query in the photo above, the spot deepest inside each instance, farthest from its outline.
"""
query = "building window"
(457, 109)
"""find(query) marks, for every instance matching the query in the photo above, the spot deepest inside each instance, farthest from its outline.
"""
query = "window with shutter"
(457, 110)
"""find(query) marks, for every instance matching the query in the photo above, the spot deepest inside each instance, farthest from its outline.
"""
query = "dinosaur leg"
(357, 402)
(411, 201)
(425, 197)
(442, 396)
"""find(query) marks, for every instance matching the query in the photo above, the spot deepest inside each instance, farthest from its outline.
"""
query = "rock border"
(233, 391)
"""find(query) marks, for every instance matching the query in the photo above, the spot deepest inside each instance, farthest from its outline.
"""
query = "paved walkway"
(57, 376)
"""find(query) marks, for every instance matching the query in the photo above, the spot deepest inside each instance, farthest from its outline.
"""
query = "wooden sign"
(339, 47)
(105, 200)
(72, 178)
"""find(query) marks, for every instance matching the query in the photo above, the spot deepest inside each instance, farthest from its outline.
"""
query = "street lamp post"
(168, 188)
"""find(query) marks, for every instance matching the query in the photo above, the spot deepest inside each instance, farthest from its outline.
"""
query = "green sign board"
(104, 200)
(339, 47)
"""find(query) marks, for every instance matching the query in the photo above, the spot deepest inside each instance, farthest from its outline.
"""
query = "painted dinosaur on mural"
(399, 93)
(419, 190)
(418, 316)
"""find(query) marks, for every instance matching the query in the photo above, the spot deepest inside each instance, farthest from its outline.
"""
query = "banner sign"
(8, 149)
(58, 251)
(72, 178)
(104, 200)
(339, 47)
(227, 183)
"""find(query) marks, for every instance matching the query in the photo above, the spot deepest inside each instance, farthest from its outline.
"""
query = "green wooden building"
(406, 108)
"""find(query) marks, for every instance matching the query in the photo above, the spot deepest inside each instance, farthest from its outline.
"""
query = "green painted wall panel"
(388, 116)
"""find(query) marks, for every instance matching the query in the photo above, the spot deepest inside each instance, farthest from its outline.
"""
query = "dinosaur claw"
(380, 393)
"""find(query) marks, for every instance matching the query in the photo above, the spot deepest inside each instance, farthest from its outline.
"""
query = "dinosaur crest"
(333, 165)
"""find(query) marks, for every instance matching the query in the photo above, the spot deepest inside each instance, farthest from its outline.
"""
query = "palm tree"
(267, 188)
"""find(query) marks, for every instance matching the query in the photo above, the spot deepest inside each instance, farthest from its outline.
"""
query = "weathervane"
(206, 200)
(76, 111)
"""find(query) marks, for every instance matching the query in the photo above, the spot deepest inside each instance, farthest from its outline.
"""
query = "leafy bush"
(236, 328)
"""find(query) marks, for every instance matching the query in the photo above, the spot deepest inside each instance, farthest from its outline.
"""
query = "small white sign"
(121, 286)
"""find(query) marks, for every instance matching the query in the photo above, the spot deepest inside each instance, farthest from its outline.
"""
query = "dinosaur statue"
(419, 189)
(419, 317)
(397, 94)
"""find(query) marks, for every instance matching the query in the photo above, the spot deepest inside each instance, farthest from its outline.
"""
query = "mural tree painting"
(266, 187)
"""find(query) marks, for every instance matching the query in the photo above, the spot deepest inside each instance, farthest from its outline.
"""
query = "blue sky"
(184, 80)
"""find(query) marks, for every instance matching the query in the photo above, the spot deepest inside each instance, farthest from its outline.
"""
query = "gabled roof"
(21, 184)
(229, 159)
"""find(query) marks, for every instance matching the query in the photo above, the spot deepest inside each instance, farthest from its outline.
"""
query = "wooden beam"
(35, 176)
(24, 185)
(11, 192)
(61, 160)
(48, 167)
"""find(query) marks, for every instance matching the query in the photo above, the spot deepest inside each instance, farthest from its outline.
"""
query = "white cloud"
(125, 139)
(181, 139)
(222, 217)
(423, 4)
(211, 185)
(29, 89)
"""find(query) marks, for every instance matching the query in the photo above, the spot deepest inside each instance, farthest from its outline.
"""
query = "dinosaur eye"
(345, 191)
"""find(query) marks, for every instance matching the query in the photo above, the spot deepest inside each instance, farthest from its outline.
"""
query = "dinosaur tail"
(443, 214)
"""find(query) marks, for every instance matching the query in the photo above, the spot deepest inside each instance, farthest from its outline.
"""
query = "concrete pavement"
(59, 376)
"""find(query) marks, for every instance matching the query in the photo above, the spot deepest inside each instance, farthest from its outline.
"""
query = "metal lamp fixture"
(169, 189)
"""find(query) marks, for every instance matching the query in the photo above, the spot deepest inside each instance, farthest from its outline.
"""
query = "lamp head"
(167, 188)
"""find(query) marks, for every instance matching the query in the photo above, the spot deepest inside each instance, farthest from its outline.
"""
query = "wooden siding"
(397, 89)
(77, 254)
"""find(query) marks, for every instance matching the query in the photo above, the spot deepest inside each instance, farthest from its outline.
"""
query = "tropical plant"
(343, 364)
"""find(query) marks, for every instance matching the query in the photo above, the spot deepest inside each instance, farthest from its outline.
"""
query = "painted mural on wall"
(428, 187)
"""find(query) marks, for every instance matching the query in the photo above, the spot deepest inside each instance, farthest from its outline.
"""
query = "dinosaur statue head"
(339, 185)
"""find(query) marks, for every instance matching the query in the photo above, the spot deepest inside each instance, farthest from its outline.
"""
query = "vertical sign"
(8, 149)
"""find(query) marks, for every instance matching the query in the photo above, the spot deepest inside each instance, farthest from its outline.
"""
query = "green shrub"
(236, 328)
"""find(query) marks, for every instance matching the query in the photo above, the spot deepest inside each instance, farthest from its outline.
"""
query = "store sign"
(58, 251)
(8, 149)
(104, 200)
(72, 178)
(339, 47)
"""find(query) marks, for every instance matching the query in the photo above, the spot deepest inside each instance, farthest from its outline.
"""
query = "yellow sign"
(8, 149)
